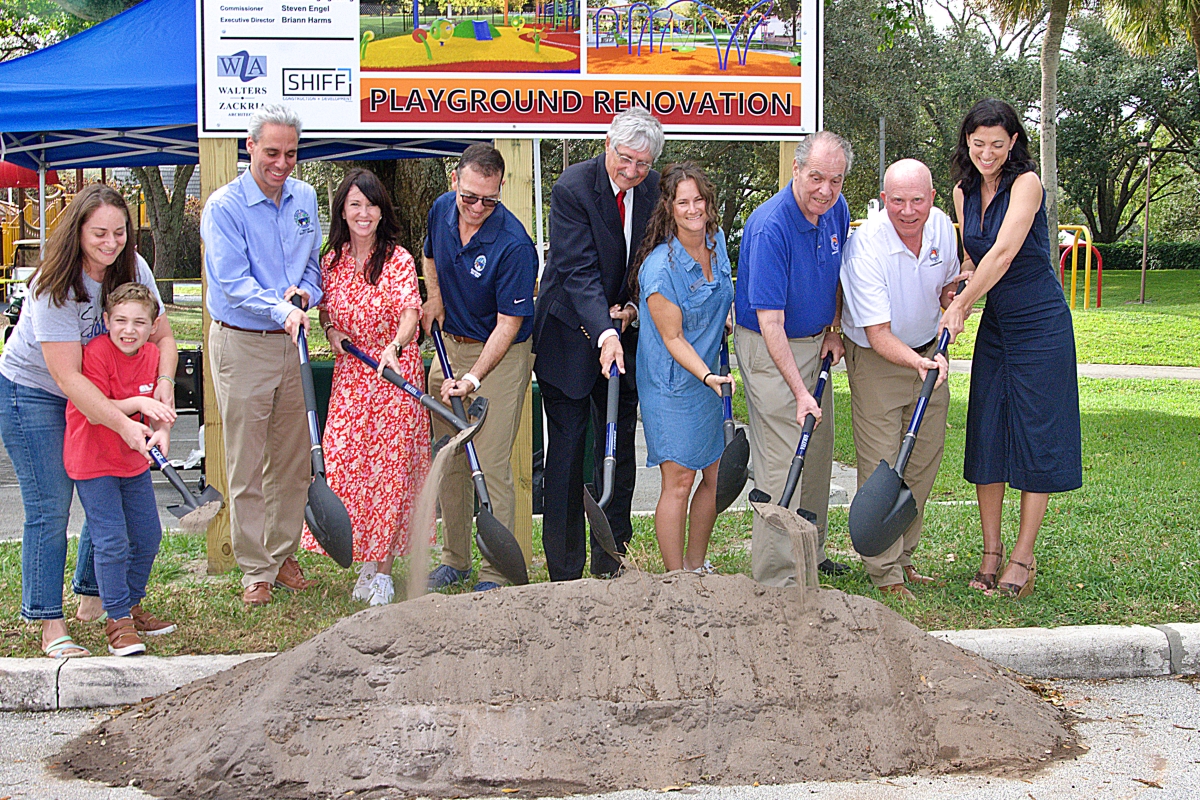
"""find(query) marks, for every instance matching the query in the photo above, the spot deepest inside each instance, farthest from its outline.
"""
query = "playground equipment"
(648, 15)
(553, 14)
(1073, 250)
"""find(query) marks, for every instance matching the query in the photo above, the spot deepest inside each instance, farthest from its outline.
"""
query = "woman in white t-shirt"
(86, 257)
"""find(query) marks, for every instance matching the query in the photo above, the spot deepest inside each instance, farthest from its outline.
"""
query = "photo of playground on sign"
(494, 67)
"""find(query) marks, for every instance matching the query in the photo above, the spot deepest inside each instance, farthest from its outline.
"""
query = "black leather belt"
(247, 330)
(921, 350)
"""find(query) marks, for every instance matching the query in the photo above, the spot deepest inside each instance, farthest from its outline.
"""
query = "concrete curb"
(43, 684)
(1088, 652)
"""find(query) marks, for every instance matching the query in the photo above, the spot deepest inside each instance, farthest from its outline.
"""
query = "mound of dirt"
(643, 681)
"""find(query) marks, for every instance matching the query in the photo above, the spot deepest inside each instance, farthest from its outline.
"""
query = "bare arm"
(832, 343)
(65, 362)
(885, 343)
(433, 308)
(494, 349)
(168, 359)
(409, 319)
(668, 320)
(770, 322)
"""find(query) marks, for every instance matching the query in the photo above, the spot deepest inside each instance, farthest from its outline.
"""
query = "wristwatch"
(834, 329)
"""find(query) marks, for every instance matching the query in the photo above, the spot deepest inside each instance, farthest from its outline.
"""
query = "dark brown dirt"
(644, 681)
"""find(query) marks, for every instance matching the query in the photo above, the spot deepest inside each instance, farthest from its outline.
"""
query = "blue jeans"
(126, 532)
(32, 423)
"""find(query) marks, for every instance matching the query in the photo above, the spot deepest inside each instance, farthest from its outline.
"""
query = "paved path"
(1142, 738)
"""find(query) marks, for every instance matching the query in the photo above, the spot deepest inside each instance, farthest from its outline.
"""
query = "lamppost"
(1146, 223)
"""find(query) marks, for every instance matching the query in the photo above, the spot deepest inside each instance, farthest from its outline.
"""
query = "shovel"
(477, 411)
(196, 511)
(884, 507)
(495, 541)
(597, 520)
(731, 471)
(325, 514)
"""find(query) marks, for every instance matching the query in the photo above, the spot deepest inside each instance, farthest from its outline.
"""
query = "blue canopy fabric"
(123, 93)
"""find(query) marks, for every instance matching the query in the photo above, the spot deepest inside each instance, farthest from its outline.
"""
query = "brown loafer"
(257, 594)
(899, 590)
(291, 577)
(912, 576)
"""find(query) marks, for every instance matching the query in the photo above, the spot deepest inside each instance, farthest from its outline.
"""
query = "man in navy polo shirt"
(788, 310)
(480, 267)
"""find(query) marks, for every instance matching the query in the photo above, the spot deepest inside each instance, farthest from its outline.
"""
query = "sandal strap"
(63, 643)
(1027, 567)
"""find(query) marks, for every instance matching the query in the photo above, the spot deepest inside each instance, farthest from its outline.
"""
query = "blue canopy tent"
(123, 94)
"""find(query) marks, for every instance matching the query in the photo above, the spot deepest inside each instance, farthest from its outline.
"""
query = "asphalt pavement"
(1140, 736)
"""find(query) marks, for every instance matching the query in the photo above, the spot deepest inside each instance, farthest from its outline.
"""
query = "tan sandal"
(1016, 591)
(988, 579)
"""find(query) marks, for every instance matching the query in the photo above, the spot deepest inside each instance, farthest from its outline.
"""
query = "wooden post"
(787, 155)
(218, 166)
(517, 194)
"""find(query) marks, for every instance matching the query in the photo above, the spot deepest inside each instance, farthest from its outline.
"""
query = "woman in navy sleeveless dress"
(1023, 416)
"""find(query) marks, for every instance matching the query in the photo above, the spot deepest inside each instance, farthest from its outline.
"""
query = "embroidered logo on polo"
(479, 265)
(834, 246)
(303, 221)
(934, 255)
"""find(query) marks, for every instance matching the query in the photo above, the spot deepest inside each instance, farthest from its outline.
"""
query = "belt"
(463, 339)
(921, 350)
(247, 330)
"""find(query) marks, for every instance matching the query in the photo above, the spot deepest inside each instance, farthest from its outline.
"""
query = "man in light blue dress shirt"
(262, 244)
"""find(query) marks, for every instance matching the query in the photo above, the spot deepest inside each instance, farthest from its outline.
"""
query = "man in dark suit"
(583, 324)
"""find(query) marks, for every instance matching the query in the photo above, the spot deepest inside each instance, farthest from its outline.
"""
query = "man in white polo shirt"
(898, 273)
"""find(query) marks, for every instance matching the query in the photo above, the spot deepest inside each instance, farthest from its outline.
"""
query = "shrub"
(1161, 255)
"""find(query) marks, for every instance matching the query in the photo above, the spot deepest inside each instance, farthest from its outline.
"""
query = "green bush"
(1161, 255)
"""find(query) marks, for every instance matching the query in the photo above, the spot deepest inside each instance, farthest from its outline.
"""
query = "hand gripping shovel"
(325, 514)
(884, 507)
(477, 411)
(597, 520)
(731, 471)
(495, 541)
(196, 512)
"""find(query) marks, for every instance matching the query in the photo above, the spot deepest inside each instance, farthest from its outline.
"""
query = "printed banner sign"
(462, 68)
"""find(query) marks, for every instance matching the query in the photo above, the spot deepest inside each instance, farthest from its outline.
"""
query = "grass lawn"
(1124, 332)
(1123, 549)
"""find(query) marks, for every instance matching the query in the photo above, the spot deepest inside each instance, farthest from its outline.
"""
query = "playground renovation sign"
(463, 68)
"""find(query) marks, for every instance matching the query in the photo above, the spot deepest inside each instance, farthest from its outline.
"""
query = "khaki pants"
(261, 401)
(774, 435)
(504, 387)
(883, 397)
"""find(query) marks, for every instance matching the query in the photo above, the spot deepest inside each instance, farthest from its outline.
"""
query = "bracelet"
(704, 380)
(326, 326)
(474, 381)
(167, 378)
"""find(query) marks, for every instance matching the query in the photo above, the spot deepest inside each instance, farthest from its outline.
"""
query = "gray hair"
(275, 114)
(806, 145)
(637, 129)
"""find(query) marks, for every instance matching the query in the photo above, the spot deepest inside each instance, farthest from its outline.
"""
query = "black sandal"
(988, 579)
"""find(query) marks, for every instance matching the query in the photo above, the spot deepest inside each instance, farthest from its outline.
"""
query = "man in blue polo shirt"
(480, 268)
(788, 310)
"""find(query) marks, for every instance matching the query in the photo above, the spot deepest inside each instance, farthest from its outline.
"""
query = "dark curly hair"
(987, 114)
(387, 234)
(661, 227)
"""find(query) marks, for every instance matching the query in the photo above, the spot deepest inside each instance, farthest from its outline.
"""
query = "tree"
(166, 212)
(95, 10)
(1056, 12)
(1145, 26)
(29, 25)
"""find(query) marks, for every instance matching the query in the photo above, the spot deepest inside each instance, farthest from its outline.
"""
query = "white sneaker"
(362, 588)
(382, 590)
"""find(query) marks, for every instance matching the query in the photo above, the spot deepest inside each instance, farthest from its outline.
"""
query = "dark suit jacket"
(586, 273)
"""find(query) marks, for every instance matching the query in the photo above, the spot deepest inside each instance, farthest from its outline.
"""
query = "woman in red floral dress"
(376, 437)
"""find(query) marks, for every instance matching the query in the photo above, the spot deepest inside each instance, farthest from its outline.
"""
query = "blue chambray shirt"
(254, 250)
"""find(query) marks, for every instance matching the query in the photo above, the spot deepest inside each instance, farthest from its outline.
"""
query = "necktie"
(621, 206)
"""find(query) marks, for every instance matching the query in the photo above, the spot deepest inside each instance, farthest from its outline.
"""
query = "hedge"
(1161, 255)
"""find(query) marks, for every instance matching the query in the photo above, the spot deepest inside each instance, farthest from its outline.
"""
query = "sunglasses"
(471, 199)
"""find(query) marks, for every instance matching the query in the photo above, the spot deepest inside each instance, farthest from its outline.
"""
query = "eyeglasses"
(626, 161)
(471, 199)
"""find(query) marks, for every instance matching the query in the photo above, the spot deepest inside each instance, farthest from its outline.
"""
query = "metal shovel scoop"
(597, 519)
(196, 511)
(884, 507)
(731, 470)
(496, 542)
(325, 513)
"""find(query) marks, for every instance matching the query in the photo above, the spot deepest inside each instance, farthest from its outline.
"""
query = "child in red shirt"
(111, 477)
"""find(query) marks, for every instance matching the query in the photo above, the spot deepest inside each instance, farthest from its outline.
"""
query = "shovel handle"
(810, 422)
(310, 394)
(456, 403)
(910, 436)
(393, 377)
(610, 435)
(165, 467)
(726, 394)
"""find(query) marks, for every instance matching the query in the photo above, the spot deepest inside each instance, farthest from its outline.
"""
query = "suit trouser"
(563, 531)
(883, 397)
(261, 400)
(774, 435)
(504, 387)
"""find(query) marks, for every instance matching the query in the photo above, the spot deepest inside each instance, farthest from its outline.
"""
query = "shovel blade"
(329, 522)
(881, 511)
(731, 471)
(500, 548)
(209, 495)
(601, 530)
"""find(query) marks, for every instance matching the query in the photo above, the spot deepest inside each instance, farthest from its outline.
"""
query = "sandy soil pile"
(644, 681)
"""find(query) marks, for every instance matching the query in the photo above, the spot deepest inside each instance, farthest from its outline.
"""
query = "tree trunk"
(166, 214)
(1051, 51)
(1193, 17)
(414, 184)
